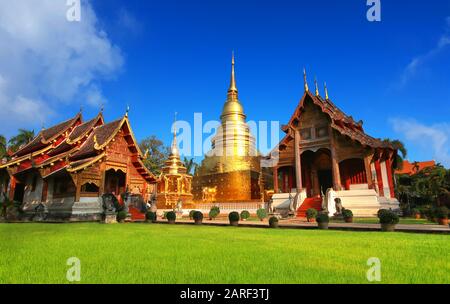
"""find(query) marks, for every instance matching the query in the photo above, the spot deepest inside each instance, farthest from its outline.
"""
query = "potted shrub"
(198, 217)
(214, 212)
(151, 217)
(388, 220)
(262, 214)
(442, 215)
(322, 220)
(171, 216)
(121, 216)
(191, 214)
(311, 215)
(415, 213)
(348, 215)
(234, 218)
(245, 215)
(273, 222)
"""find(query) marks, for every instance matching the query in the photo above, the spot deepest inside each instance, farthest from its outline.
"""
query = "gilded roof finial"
(102, 107)
(95, 140)
(317, 86)
(174, 141)
(304, 79)
(233, 87)
(146, 153)
(128, 110)
(326, 91)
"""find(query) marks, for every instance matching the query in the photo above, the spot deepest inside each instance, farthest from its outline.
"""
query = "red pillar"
(390, 177)
(379, 177)
(12, 188)
(275, 179)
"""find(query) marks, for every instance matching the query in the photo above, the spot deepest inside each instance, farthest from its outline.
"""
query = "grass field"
(160, 253)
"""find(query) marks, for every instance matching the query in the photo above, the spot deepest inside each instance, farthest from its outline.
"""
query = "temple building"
(68, 167)
(230, 172)
(174, 182)
(326, 154)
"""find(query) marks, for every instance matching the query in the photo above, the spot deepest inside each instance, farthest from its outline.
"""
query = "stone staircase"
(312, 202)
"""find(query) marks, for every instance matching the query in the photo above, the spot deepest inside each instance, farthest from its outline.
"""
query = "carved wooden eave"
(75, 168)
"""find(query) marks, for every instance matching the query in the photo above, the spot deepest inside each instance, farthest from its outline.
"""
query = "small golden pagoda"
(231, 170)
(174, 184)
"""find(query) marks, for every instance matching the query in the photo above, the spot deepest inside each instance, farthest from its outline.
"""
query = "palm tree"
(190, 165)
(399, 146)
(21, 139)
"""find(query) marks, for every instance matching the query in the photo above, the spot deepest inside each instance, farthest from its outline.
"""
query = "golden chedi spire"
(305, 80)
(232, 110)
(317, 86)
(174, 148)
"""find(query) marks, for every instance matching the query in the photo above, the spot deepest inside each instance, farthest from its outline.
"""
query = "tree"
(190, 164)
(21, 139)
(3, 147)
(400, 147)
(157, 153)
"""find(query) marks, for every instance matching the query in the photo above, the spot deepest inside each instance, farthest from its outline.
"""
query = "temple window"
(89, 188)
(63, 186)
(321, 131)
(305, 133)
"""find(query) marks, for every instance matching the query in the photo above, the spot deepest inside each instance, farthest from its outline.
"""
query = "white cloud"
(413, 67)
(431, 139)
(46, 60)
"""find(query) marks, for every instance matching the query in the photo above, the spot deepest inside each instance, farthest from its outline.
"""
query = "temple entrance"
(115, 182)
(325, 180)
(317, 175)
(19, 192)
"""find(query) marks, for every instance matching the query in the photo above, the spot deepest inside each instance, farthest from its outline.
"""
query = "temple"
(174, 182)
(325, 154)
(68, 167)
(231, 171)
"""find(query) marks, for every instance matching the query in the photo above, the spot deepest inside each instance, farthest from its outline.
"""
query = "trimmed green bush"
(191, 214)
(441, 213)
(233, 216)
(214, 212)
(273, 222)
(415, 211)
(171, 216)
(121, 215)
(311, 213)
(388, 217)
(197, 216)
(347, 213)
(323, 218)
(151, 216)
(261, 213)
(245, 215)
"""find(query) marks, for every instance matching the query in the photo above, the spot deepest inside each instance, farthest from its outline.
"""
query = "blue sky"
(175, 56)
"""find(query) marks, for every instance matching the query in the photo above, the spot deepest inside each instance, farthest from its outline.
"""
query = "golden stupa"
(230, 172)
(174, 183)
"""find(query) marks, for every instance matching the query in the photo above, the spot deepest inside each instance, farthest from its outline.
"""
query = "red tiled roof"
(415, 167)
(341, 122)
(43, 138)
(102, 134)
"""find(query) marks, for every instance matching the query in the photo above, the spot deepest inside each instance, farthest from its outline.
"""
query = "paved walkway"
(299, 224)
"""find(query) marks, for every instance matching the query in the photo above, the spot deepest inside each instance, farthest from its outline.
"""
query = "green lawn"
(403, 220)
(161, 253)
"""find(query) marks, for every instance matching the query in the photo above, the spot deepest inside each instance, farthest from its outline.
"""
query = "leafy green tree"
(403, 153)
(3, 147)
(157, 153)
(190, 165)
(21, 139)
